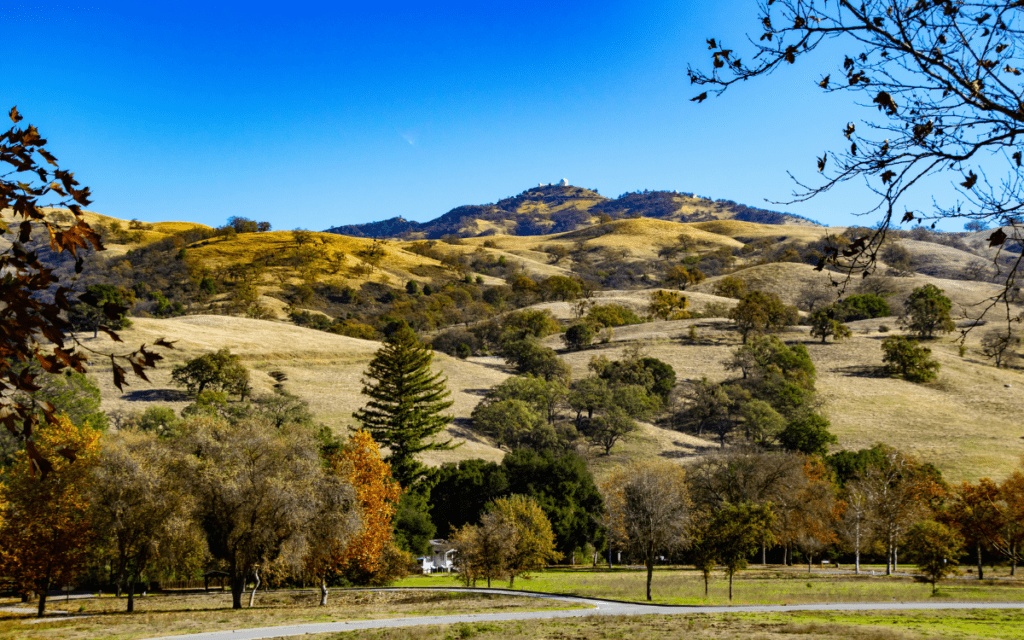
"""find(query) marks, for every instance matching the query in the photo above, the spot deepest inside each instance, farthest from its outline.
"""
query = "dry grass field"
(173, 614)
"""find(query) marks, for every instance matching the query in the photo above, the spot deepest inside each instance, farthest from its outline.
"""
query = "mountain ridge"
(548, 209)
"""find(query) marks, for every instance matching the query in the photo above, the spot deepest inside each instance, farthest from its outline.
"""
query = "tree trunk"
(237, 587)
(764, 554)
(888, 561)
(131, 594)
(981, 570)
(856, 551)
(895, 559)
(323, 591)
(44, 591)
(707, 575)
(255, 587)
(1013, 560)
(810, 559)
(488, 581)
(650, 574)
(731, 572)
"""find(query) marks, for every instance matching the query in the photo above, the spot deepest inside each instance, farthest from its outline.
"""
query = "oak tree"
(648, 510)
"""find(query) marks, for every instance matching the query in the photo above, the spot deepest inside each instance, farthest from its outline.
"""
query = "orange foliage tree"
(364, 558)
(46, 531)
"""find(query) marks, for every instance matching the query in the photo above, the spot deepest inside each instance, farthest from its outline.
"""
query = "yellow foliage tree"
(533, 541)
(46, 530)
(378, 493)
(668, 305)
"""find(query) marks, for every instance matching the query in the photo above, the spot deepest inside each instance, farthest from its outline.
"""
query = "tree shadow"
(156, 395)
(463, 428)
(688, 450)
(863, 371)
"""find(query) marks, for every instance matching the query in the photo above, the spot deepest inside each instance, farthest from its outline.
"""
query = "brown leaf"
(887, 176)
(969, 182)
(15, 116)
(997, 238)
(712, 44)
(908, 217)
(107, 330)
(162, 342)
(790, 54)
(1016, 156)
(824, 82)
(821, 162)
(699, 99)
(118, 375)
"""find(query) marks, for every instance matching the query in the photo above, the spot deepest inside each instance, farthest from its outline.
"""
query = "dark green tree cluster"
(772, 404)
(561, 484)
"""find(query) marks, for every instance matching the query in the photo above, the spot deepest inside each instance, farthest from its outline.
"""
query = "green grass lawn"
(755, 586)
(961, 625)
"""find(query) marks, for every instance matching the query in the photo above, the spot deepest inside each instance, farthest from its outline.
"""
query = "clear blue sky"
(311, 114)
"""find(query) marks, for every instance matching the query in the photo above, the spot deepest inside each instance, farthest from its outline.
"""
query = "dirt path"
(587, 607)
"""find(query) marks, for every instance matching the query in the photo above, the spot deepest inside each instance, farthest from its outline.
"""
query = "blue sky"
(310, 115)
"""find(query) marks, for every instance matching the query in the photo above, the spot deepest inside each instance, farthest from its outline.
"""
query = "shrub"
(730, 287)
(612, 315)
(907, 359)
(578, 336)
(927, 311)
(862, 306)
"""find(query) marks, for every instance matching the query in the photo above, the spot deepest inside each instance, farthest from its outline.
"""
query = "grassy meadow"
(755, 586)
(905, 625)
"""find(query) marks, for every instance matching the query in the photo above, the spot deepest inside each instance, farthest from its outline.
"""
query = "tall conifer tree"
(406, 406)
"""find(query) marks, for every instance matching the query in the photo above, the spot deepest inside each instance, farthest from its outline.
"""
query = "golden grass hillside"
(323, 368)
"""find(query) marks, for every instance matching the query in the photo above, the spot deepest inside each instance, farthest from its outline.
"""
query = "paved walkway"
(594, 607)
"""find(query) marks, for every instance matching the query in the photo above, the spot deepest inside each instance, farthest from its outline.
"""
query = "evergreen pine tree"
(406, 405)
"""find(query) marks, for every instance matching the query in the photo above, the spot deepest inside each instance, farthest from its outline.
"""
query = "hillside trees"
(909, 360)
(405, 407)
(648, 509)
(946, 105)
(35, 302)
(824, 324)
(759, 312)
(220, 371)
(926, 312)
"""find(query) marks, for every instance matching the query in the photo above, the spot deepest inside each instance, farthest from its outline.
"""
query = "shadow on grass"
(155, 395)
(863, 371)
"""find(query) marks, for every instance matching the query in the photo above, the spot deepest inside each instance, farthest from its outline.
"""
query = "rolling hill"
(553, 209)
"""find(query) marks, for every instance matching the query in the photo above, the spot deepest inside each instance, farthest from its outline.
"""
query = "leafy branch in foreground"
(35, 304)
(944, 77)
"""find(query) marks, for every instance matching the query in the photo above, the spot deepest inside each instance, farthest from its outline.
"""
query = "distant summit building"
(563, 183)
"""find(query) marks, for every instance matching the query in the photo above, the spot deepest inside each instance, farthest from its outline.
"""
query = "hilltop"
(552, 209)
